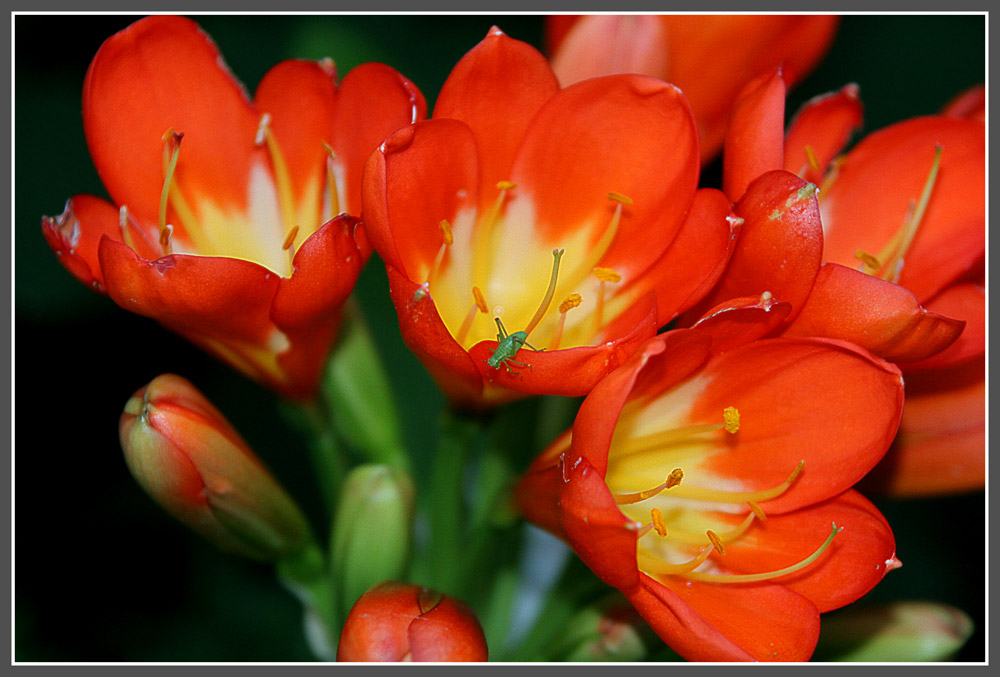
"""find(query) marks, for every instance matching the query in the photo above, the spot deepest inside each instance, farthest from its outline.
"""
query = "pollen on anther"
(757, 511)
(506, 185)
(618, 197)
(607, 275)
(165, 234)
(812, 159)
(449, 237)
(674, 478)
(731, 416)
(716, 541)
(867, 259)
(570, 302)
(480, 300)
(290, 238)
(658, 524)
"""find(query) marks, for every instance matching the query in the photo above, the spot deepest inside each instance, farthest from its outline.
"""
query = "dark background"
(101, 572)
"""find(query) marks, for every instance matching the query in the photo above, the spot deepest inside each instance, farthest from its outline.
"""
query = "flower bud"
(900, 631)
(372, 530)
(402, 622)
(193, 463)
(609, 631)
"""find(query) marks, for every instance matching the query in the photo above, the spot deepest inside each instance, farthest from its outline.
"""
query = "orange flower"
(902, 221)
(714, 488)
(468, 211)
(223, 226)
(709, 57)
(396, 622)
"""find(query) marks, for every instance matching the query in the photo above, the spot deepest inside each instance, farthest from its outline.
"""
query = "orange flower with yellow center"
(713, 488)
(570, 215)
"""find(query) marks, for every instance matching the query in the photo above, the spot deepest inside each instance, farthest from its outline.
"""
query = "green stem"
(446, 508)
(306, 576)
(328, 458)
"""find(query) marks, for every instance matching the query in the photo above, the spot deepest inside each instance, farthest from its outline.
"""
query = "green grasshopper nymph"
(508, 345)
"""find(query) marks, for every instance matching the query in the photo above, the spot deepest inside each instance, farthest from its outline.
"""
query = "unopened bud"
(185, 454)
(395, 622)
(609, 631)
(900, 631)
(372, 529)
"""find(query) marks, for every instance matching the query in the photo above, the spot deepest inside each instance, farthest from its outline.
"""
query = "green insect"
(507, 348)
(508, 345)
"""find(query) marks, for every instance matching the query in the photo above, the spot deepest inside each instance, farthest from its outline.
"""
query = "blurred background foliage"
(101, 572)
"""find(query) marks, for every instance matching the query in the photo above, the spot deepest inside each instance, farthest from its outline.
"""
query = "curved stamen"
(652, 564)
(484, 234)
(547, 300)
(602, 246)
(167, 181)
(750, 578)
(478, 304)
(673, 480)
(693, 538)
(448, 239)
(281, 176)
(721, 496)
(331, 181)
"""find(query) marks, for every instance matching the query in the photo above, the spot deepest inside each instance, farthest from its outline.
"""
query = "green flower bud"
(188, 457)
(371, 539)
(610, 630)
(901, 631)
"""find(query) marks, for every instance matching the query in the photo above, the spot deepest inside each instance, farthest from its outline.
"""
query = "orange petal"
(571, 372)
(828, 403)
(713, 56)
(970, 104)
(767, 621)
(432, 343)
(941, 447)
(496, 89)
(824, 124)
(867, 203)
(857, 559)
(221, 304)
(743, 320)
(966, 302)
(374, 101)
(627, 134)
(163, 72)
(696, 258)
(882, 317)
(779, 246)
(606, 44)
(755, 141)
(421, 174)
(75, 235)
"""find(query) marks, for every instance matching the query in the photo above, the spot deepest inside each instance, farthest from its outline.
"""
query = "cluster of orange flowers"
(743, 350)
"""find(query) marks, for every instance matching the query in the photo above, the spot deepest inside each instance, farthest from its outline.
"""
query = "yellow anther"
(618, 197)
(506, 185)
(673, 480)
(811, 157)
(606, 275)
(731, 416)
(165, 233)
(449, 237)
(658, 524)
(869, 261)
(480, 300)
(570, 302)
(716, 541)
(757, 511)
(290, 238)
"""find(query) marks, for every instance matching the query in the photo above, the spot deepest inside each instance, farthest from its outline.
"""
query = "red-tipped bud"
(193, 463)
(402, 622)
